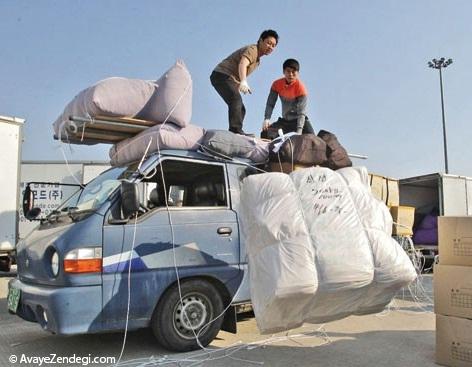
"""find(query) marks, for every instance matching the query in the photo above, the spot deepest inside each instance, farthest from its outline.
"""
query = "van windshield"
(97, 191)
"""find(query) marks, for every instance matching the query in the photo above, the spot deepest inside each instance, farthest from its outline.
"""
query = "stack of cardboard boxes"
(387, 190)
(453, 292)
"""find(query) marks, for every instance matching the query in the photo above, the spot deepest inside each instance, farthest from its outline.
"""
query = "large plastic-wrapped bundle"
(373, 212)
(393, 269)
(235, 145)
(164, 136)
(335, 229)
(282, 273)
(359, 266)
(172, 101)
(113, 97)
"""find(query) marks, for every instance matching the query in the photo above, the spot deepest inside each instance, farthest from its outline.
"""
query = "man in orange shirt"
(229, 76)
(293, 96)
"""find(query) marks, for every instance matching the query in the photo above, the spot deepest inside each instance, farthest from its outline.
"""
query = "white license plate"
(13, 299)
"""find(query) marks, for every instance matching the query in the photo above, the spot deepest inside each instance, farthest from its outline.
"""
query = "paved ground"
(401, 336)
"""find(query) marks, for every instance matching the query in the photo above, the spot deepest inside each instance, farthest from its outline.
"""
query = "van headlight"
(83, 260)
(55, 264)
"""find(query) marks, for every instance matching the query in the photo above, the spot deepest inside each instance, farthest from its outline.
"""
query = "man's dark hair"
(291, 63)
(269, 33)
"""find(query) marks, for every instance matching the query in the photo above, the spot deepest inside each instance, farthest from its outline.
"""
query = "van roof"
(202, 156)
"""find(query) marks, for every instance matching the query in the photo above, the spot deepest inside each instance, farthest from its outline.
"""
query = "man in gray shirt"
(229, 76)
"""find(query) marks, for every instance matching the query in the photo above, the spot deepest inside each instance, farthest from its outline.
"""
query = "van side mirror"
(129, 198)
(29, 211)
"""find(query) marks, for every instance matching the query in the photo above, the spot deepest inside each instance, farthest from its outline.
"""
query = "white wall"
(10, 139)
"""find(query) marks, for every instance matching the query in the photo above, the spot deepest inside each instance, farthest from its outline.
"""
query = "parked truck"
(166, 231)
(10, 148)
(442, 194)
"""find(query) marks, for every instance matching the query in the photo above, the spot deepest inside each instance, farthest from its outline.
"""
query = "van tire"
(202, 303)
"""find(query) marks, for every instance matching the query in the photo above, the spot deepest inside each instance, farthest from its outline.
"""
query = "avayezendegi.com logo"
(54, 359)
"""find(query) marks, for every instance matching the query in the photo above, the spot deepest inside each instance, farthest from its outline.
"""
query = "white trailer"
(49, 196)
(449, 194)
(10, 150)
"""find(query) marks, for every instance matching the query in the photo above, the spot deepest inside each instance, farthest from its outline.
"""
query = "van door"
(188, 228)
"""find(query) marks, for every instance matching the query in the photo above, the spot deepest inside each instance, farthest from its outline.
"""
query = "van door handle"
(224, 231)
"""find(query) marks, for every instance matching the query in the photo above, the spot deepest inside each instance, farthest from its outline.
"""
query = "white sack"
(373, 212)
(114, 97)
(167, 136)
(336, 207)
(393, 268)
(280, 253)
(343, 254)
(172, 101)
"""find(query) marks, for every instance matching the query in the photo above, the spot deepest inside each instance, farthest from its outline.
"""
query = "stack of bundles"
(319, 247)
(169, 98)
(294, 151)
(337, 155)
(230, 144)
(163, 136)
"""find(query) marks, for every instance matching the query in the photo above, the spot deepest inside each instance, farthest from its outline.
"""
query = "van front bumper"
(63, 310)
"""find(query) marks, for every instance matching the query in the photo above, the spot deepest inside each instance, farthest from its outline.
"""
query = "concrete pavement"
(401, 336)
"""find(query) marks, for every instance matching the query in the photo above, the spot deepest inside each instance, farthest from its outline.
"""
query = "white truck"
(16, 174)
(447, 194)
(10, 148)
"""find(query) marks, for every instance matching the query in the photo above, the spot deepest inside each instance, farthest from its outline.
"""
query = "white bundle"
(283, 262)
(335, 228)
(359, 267)
(393, 269)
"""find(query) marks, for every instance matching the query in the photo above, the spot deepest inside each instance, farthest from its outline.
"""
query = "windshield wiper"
(69, 209)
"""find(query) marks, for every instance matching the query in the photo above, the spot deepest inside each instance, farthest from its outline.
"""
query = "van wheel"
(176, 322)
(5, 263)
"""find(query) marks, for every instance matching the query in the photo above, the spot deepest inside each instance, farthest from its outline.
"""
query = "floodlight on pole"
(440, 64)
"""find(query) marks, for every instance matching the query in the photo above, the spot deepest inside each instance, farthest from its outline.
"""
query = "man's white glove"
(265, 124)
(299, 131)
(244, 87)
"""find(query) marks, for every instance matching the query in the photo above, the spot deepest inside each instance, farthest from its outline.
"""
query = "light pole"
(439, 64)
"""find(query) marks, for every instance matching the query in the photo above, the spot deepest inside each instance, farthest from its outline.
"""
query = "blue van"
(164, 232)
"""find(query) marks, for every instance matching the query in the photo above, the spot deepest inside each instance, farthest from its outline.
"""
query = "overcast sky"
(364, 64)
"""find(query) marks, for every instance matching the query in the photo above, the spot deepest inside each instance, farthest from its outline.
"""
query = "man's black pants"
(228, 89)
(287, 126)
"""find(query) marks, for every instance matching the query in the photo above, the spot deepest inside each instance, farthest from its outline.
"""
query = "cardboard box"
(378, 186)
(393, 192)
(385, 189)
(455, 240)
(453, 341)
(403, 218)
(453, 290)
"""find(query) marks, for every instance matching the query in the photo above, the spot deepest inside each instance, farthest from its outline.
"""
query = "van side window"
(186, 184)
